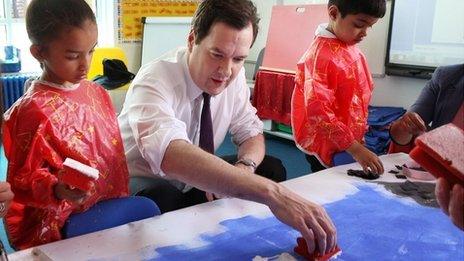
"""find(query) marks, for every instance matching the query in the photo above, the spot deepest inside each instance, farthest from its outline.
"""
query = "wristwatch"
(247, 162)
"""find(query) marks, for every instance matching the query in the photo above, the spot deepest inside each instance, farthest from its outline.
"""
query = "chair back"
(110, 213)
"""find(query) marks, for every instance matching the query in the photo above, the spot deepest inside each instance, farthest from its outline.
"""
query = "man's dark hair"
(47, 19)
(374, 8)
(235, 13)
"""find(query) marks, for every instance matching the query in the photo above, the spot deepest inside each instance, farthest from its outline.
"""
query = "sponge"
(77, 174)
(302, 250)
(440, 153)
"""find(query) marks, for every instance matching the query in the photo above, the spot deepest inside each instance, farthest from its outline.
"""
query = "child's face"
(66, 59)
(352, 28)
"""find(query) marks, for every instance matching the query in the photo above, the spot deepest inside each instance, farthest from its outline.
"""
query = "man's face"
(218, 58)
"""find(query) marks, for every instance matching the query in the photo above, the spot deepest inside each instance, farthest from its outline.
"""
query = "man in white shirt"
(161, 130)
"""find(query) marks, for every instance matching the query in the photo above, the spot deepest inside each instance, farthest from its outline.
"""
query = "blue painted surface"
(370, 226)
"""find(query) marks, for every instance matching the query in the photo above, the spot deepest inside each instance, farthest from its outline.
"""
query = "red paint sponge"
(440, 153)
(302, 250)
(78, 175)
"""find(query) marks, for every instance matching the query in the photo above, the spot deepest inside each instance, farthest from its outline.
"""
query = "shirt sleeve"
(245, 123)
(153, 121)
(329, 134)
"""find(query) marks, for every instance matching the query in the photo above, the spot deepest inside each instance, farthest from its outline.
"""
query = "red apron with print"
(42, 129)
(330, 101)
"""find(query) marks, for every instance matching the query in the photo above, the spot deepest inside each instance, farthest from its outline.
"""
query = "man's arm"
(253, 149)
(420, 114)
(190, 164)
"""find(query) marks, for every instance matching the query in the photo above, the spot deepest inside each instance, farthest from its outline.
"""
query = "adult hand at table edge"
(310, 219)
(451, 201)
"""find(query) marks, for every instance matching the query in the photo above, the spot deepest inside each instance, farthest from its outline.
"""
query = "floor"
(293, 160)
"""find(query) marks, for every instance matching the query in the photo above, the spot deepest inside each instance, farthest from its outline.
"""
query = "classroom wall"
(389, 90)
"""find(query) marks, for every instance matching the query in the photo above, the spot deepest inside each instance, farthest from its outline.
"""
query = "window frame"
(104, 12)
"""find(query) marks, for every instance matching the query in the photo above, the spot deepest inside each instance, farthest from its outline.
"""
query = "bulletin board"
(130, 13)
(291, 31)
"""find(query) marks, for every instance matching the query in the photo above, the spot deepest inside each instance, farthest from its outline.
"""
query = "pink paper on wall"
(291, 31)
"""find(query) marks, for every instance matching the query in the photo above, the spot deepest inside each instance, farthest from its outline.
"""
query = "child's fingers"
(378, 163)
(4, 186)
(5, 192)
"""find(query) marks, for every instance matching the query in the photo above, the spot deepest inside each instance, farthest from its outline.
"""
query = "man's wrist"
(247, 162)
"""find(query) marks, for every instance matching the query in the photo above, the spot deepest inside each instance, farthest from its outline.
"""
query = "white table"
(184, 226)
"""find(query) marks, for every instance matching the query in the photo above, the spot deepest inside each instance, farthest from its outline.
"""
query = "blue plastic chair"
(109, 213)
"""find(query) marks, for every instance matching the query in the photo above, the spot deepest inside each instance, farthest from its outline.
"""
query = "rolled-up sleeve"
(245, 123)
(152, 121)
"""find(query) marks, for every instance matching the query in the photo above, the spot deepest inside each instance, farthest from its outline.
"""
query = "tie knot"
(206, 98)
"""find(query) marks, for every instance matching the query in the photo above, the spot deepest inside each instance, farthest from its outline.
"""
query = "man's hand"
(310, 219)
(63, 191)
(366, 158)
(412, 123)
(408, 126)
(451, 201)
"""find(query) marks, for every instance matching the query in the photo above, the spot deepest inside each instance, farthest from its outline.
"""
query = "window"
(13, 32)
(13, 28)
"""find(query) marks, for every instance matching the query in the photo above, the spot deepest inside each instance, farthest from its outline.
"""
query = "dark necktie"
(206, 126)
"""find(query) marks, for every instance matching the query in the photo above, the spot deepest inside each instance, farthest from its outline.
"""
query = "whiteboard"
(162, 34)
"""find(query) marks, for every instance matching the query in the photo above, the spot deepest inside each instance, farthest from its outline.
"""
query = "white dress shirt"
(164, 104)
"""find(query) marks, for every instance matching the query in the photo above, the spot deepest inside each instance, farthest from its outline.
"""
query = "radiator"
(13, 88)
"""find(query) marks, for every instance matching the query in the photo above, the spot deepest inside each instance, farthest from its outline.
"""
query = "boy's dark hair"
(374, 8)
(46, 19)
(235, 13)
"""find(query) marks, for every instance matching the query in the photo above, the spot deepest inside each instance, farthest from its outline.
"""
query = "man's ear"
(191, 40)
(333, 12)
(37, 52)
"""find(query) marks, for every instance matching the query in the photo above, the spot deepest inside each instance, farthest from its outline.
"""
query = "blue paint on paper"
(370, 226)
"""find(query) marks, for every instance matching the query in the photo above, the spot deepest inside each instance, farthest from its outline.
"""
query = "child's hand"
(63, 191)
(366, 158)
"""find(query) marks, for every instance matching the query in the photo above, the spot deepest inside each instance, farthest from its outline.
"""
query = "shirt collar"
(193, 91)
(323, 32)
